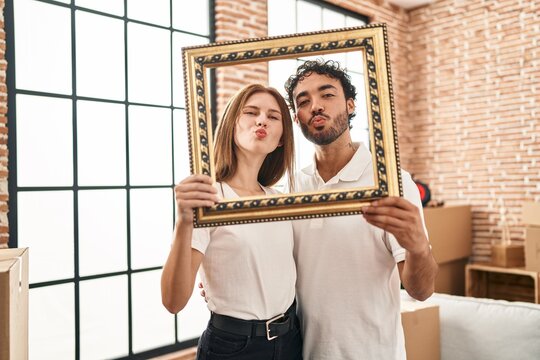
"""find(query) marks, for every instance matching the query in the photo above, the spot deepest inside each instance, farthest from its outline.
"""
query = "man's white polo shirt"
(347, 279)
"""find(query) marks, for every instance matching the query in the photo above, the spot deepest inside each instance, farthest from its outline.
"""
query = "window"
(297, 16)
(97, 142)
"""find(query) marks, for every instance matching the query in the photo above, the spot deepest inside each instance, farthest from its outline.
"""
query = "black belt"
(272, 328)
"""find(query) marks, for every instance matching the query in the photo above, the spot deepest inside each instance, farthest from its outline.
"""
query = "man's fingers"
(384, 221)
(394, 201)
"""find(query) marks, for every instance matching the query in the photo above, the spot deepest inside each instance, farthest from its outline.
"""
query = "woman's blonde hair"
(276, 163)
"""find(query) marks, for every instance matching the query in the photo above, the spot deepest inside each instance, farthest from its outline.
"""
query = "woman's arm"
(180, 270)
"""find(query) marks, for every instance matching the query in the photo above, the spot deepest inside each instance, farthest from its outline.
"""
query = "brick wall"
(473, 99)
(4, 230)
(397, 20)
(236, 20)
(465, 77)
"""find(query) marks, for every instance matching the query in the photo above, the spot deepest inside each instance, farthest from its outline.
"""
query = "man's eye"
(302, 103)
(328, 95)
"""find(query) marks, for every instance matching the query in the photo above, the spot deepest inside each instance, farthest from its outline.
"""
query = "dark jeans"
(216, 344)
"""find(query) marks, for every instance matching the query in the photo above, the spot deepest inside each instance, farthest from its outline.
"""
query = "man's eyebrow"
(321, 88)
(326, 87)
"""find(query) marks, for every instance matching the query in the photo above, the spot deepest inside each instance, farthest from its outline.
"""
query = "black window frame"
(14, 189)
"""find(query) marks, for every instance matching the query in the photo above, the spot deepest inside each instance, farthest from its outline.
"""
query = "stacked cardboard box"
(13, 304)
(450, 233)
(421, 328)
(531, 218)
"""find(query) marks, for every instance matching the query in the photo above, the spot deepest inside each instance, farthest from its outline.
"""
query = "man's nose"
(316, 107)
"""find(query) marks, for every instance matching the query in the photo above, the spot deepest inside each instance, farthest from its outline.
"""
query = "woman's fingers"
(195, 191)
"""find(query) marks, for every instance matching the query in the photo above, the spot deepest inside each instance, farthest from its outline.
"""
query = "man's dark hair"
(329, 68)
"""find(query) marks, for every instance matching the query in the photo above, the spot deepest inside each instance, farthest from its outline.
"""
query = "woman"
(248, 271)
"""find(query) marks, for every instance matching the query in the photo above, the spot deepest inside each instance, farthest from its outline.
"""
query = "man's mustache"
(319, 114)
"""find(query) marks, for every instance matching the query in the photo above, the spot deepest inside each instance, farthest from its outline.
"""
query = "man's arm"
(402, 219)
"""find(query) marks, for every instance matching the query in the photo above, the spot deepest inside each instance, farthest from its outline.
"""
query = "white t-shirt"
(248, 270)
(348, 282)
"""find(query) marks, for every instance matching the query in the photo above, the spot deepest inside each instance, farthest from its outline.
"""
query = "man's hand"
(402, 219)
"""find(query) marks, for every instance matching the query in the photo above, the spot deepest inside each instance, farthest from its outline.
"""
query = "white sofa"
(485, 329)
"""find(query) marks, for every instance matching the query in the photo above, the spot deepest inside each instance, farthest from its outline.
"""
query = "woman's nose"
(261, 121)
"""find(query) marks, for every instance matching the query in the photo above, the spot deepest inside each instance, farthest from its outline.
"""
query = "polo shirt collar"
(350, 172)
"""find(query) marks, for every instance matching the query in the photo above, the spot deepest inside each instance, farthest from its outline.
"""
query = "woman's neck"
(244, 182)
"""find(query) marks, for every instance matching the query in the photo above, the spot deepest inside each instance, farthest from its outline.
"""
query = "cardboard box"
(451, 277)
(532, 248)
(450, 232)
(421, 328)
(13, 304)
(531, 213)
(507, 255)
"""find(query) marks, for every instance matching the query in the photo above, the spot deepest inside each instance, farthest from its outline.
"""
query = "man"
(348, 282)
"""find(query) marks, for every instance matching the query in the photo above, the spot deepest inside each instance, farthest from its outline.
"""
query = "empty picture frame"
(371, 43)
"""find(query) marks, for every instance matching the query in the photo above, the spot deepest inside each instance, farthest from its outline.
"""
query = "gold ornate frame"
(373, 42)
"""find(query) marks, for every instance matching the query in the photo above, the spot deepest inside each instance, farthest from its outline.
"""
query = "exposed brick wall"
(474, 101)
(236, 20)
(4, 230)
(396, 19)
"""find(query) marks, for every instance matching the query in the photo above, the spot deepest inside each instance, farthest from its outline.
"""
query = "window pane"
(308, 17)
(44, 141)
(153, 325)
(103, 161)
(332, 19)
(43, 51)
(100, 56)
(104, 318)
(181, 146)
(151, 226)
(281, 17)
(115, 7)
(45, 224)
(150, 159)
(355, 61)
(180, 40)
(51, 321)
(304, 150)
(149, 65)
(350, 21)
(102, 231)
(155, 11)
(279, 71)
(192, 320)
(193, 18)
(360, 120)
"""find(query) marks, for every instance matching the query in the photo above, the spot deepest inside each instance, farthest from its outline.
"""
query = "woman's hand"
(192, 192)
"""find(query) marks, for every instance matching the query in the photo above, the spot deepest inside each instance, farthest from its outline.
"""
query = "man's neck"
(331, 158)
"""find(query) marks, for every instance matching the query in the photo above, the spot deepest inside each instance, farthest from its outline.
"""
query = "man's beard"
(327, 136)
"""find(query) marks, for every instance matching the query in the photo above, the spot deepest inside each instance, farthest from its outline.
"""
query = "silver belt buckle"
(268, 328)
